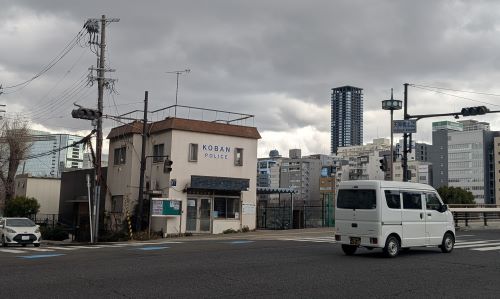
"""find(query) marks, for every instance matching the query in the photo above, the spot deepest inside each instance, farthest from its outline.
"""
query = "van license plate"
(355, 241)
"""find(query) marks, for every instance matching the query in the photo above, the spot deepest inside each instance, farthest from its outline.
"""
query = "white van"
(392, 216)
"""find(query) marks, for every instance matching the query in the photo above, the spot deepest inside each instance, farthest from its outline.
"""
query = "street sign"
(404, 126)
(162, 207)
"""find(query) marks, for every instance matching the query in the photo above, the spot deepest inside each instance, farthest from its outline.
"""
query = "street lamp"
(392, 105)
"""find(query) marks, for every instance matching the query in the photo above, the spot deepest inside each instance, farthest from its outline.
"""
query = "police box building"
(211, 177)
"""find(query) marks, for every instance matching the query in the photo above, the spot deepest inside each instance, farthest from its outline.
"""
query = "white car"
(19, 231)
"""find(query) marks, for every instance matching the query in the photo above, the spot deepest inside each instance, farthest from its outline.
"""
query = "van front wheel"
(392, 247)
(448, 243)
(349, 249)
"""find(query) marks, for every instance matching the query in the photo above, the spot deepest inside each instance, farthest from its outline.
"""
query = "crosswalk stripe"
(476, 245)
(38, 249)
(62, 248)
(318, 240)
(487, 248)
(12, 251)
(87, 247)
(472, 242)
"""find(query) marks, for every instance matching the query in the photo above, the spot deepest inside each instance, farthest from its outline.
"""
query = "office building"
(346, 117)
(438, 152)
(56, 161)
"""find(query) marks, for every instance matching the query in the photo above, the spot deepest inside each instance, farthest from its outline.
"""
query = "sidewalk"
(258, 234)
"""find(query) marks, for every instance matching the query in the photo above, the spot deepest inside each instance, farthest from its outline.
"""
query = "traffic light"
(383, 164)
(167, 166)
(479, 110)
(86, 113)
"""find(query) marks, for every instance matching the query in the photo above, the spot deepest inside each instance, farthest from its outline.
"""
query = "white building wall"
(45, 190)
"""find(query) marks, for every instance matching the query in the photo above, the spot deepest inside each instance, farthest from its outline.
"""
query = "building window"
(238, 157)
(120, 155)
(226, 208)
(116, 204)
(158, 152)
(193, 152)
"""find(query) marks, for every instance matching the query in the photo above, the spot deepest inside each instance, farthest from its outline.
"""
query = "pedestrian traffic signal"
(479, 110)
(167, 166)
(86, 113)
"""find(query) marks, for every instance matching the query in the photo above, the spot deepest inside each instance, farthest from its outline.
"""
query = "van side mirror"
(443, 208)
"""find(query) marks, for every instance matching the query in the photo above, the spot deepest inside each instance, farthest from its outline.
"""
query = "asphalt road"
(305, 265)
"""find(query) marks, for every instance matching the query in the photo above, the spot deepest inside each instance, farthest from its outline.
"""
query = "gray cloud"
(277, 60)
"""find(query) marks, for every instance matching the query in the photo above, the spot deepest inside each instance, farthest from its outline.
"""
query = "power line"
(51, 64)
(453, 95)
(457, 90)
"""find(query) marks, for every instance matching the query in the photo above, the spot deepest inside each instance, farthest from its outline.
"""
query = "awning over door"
(219, 183)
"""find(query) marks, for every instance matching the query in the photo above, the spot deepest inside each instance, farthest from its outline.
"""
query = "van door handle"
(429, 214)
(421, 215)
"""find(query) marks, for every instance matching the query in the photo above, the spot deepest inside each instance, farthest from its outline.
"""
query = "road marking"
(476, 245)
(38, 256)
(62, 248)
(151, 248)
(240, 242)
(475, 242)
(87, 247)
(313, 240)
(12, 251)
(38, 249)
(487, 248)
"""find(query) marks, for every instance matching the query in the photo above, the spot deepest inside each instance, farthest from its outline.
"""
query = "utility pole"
(1, 110)
(404, 162)
(92, 26)
(177, 87)
(140, 199)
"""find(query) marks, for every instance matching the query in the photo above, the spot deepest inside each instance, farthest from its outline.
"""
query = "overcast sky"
(277, 60)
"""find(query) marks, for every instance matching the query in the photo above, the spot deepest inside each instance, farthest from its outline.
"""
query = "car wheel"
(392, 247)
(4, 244)
(448, 243)
(36, 244)
(349, 249)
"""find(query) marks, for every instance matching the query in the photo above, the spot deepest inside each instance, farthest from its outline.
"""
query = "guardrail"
(477, 212)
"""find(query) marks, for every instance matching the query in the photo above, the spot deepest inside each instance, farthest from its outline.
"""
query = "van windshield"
(356, 199)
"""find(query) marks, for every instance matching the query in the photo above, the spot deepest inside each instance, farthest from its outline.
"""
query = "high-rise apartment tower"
(347, 117)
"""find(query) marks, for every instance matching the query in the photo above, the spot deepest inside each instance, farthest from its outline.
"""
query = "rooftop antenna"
(177, 87)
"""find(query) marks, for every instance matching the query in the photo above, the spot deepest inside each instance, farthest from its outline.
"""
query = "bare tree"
(15, 141)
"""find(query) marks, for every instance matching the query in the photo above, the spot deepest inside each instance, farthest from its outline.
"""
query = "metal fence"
(50, 220)
(285, 214)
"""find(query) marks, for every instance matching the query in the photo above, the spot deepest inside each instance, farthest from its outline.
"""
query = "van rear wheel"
(448, 243)
(392, 246)
(349, 249)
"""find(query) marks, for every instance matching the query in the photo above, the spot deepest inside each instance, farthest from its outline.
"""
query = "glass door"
(198, 217)
(205, 211)
(191, 216)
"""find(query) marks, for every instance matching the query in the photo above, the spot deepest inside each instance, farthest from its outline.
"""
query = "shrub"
(245, 229)
(54, 233)
(229, 231)
(21, 206)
